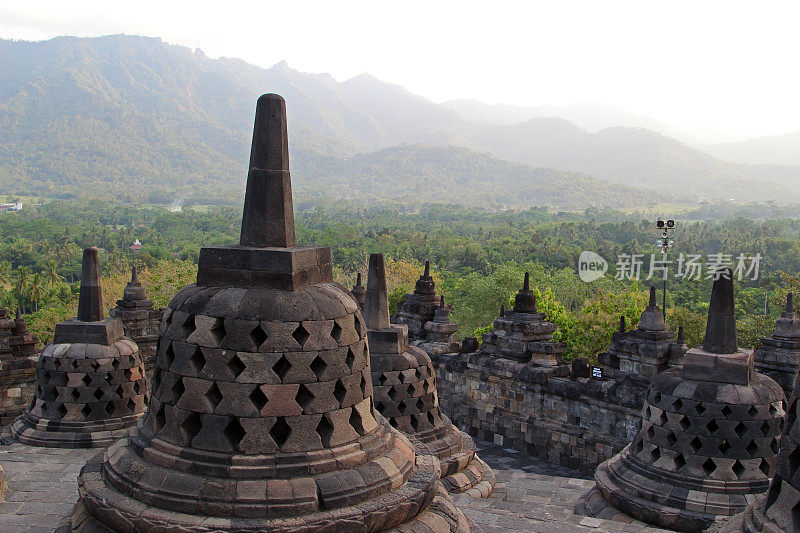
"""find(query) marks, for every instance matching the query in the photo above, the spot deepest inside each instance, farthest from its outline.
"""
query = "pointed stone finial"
(376, 305)
(268, 217)
(721, 326)
(134, 275)
(679, 339)
(622, 325)
(526, 285)
(441, 301)
(789, 303)
(358, 279)
(525, 301)
(90, 302)
(652, 302)
(427, 269)
(502, 310)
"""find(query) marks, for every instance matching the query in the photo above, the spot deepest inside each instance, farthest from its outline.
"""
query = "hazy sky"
(718, 70)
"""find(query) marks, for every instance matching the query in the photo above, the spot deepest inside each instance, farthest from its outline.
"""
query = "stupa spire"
(789, 303)
(525, 301)
(90, 303)
(376, 305)
(427, 269)
(652, 302)
(721, 326)
(134, 275)
(268, 216)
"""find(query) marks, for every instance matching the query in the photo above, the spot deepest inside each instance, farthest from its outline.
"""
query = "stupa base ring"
(103, 509)
(49, 434)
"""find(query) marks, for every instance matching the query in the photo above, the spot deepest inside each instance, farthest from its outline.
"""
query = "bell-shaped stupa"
(90, 381)
(419, 307)
(710, 433)
(779, 355)
(262, 416)
(140, 319)
(404, 381)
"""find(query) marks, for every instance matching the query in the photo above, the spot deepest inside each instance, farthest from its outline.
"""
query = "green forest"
(478, 257)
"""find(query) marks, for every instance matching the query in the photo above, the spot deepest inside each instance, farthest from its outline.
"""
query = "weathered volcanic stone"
(779, 355)
(404, 381)
(17, 366)
(524, 334)
(419, 307)
(90, 381)
(645, 351)
(262, 416)
(709, 438)
(140, 319)
(779, 509)
(359, 292)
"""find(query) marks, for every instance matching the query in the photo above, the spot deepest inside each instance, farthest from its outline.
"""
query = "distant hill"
(773, 149)
(148, 121)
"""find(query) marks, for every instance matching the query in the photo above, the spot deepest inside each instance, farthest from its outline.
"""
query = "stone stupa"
(90, 381)
(419, 307)
(359, 292)
(642, 352)
(262, 415)
(710, 433)
(779, 510)
(404, 381)
(140, 319)
(18, 361)
(524, 334)
(779, 355)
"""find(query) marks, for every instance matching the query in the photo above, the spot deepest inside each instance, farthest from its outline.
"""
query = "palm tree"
(5, 273)
(36, 289)
(51, 274)
(21, 285)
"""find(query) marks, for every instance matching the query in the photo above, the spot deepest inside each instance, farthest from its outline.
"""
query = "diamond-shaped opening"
(392, 393)
(685, 423)
(671, 438)
(420, 405)
(410, 390)
(86, 411)
(794, 460)
(647, 412)
(679, 461)
(137, 387)
(197, 360)
(281, 368)
(656, 398)
(75, 394)
(431, 418)
(98, 393)
(318, 366)
(169, 355)
(234, 433)
(280, 431)
(662, 419)
(62, 410)
(751, 448)
(772, 410)
(120, 392)
(356, 421)
(379, 407)
(336, 331)
(191, 426)
(214, 396)
(726, 411)
(87, 379)
(131, 405)
(258, 336)
(418, 374)
(44, 407)
(160, 420)
(300, 335)
(357, 325)
(325, 431)
(712, 426)
(350, 359)
(236, 366)
(401, 377)
(700, 408)
(738, 469)
(188, 326)
(709, 467)
(740, 429)
(765, 428)
(402, 407)
(109, 408)
(382, 379)
(415, 423)
(258, 398)
(156, 381)
(655, 454)
(74, 364)
(177, 391)
(775, 445)
(304, 397)
(724, 447)
(95, 365)
(696, 444)
(753, 411)
(218, 331)
(426, 386)
(651, 432)
(764, 467)
(128, 374)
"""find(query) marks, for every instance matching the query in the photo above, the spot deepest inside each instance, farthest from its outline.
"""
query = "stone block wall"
(17, 384)
(540, 411)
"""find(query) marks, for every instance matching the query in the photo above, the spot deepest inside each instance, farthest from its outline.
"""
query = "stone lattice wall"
(540, 410)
